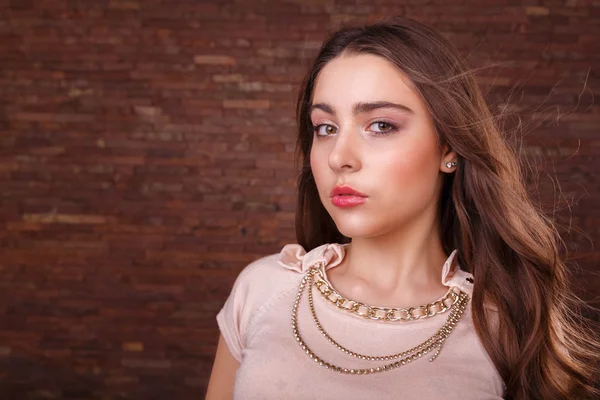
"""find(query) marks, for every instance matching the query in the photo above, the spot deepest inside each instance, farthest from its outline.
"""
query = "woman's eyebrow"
(362, 107)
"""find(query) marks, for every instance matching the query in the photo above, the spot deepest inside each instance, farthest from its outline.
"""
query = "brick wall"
(146, 156)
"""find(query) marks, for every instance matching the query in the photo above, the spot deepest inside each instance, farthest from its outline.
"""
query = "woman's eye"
(382, 126)
(324, 130)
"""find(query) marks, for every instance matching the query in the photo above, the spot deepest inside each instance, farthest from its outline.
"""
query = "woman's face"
(373, 133)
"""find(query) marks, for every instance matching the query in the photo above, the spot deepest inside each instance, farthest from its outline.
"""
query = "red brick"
(65, 219)
(214, 60)
(250, 104)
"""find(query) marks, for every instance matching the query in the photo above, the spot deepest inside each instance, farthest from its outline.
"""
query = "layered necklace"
(454, 302)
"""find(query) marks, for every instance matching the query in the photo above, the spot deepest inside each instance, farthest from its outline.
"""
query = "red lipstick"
(345, 196)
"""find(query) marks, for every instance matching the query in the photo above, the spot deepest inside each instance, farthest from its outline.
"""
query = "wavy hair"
(539, 342)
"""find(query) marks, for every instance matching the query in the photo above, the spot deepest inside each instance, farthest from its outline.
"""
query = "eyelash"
(393, 128)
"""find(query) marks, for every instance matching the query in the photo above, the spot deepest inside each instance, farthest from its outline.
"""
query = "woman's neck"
(403, 268)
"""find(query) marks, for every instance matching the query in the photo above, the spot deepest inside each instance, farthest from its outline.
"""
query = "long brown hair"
(539, 344)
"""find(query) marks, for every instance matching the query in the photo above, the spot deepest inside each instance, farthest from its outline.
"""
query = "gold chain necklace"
(387, 314)
(434, 342)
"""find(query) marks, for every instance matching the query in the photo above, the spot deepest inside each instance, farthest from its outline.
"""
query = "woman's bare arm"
(220, 385)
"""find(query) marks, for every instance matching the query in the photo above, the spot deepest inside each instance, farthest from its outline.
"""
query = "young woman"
(423, 270)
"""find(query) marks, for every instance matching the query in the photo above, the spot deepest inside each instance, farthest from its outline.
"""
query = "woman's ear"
(449, 159)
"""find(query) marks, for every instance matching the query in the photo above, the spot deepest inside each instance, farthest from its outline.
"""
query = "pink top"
(256, 324)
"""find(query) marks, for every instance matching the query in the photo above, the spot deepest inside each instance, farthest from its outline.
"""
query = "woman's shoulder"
(260, 284)
(267, 277)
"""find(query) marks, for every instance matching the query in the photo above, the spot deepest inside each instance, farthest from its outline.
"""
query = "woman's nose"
(344, 154)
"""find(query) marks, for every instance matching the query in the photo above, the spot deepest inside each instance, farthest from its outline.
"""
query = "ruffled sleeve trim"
(452, 275)
(295, 258)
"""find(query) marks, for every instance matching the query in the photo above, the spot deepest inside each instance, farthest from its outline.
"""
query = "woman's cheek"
(409, 175)
(318, 168)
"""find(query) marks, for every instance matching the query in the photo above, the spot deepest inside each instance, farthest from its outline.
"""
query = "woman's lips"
(345, 196)
(345, 201)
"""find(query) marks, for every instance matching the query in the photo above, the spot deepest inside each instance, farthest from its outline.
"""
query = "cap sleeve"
(234, 317)
(253, 291)
(229, 320)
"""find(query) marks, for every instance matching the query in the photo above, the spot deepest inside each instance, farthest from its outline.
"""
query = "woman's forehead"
(354, 78)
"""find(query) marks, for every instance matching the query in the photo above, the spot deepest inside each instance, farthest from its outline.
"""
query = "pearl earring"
(451, 164)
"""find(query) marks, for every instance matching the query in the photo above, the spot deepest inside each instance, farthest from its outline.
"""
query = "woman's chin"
(356, 230)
